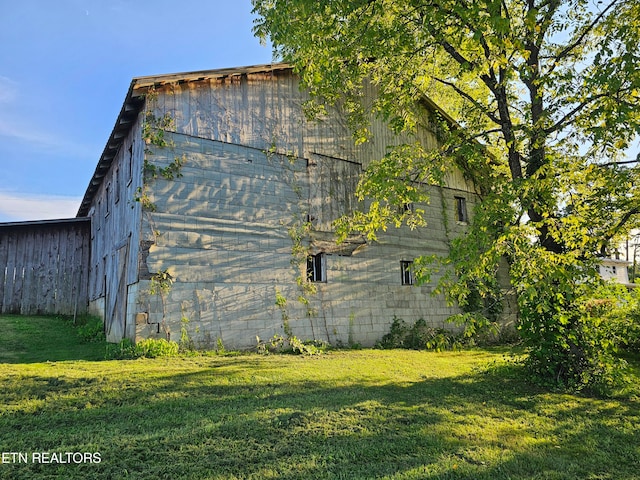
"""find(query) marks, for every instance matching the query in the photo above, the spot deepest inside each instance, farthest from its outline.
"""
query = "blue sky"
(65, 67)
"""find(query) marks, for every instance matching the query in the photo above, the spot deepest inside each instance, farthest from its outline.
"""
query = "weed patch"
(149, 348)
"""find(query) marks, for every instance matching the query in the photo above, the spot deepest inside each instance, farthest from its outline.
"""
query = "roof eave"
(127, 116)
(39, 223)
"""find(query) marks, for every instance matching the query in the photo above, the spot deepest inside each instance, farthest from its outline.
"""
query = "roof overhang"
(143, 83)
(611, 262)
(43, 223)
(128, 114)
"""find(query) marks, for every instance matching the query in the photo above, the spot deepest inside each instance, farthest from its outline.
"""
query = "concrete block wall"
(221, 230)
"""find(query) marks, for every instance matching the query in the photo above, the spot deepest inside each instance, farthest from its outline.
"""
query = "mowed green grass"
(40, 339)
(348, 414)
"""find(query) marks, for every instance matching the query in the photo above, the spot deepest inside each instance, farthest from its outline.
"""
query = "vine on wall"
(160, 284)
(298, 231)
(154, 134)
(154, 131)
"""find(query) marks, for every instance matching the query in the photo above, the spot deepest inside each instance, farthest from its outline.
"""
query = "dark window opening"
(406, 208)
(116, 183)
(461, 209)
(130, 172)
(406, 270)
(317, 268)
(107, 200)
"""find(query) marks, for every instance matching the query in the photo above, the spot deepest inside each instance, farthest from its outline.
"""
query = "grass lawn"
(41, 339)
(348, 414)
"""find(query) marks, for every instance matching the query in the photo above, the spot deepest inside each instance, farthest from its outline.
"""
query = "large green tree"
(546, 96)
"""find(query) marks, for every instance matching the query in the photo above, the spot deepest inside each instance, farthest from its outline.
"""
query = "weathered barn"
(211, 212)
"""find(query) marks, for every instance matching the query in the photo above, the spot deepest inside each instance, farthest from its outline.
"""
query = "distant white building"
(616, 270)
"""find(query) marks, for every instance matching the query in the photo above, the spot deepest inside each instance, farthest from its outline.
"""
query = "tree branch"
(468, 97)
(612, 233)
(612, 164)
(566, 119)
(489, 80)
(579, 40)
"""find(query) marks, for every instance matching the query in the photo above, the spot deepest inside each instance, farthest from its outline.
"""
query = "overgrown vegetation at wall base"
(148, 348)
(290, 344)
(470, 332)
(90, 329)
(607, 320)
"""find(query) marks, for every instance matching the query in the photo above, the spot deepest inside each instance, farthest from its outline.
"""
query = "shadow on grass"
(236, 419)
(35, 339)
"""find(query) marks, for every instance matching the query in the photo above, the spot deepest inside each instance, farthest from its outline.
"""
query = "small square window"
(317, 268)
(461, 209)
(406, 271)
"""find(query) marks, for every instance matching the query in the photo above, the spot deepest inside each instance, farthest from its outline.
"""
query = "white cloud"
(17, 207)
(35, 140)
(8, 90)
(11, 129)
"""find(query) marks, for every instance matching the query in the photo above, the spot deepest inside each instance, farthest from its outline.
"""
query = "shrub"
(625, 322)
(91, 329)
(123, 350)
(152, 348)
(397, 334)
(290, 344)
(149, 348)
(575, 348)
(630, 333)
(419, 336)
(186, 344)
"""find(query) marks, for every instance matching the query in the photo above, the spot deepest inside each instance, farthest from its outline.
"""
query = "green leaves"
(390, 187)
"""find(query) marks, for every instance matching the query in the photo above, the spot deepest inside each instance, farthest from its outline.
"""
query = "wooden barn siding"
(265, 110)
(115, 237)
(44, 268)
(116, 215)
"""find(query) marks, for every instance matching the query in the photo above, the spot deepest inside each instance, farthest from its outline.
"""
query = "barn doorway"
(116, 294)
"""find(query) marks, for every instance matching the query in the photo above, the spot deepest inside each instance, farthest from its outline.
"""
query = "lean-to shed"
(211, 216)
(44, 267)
